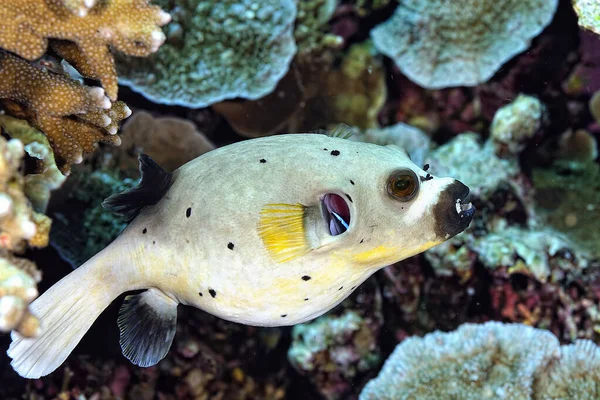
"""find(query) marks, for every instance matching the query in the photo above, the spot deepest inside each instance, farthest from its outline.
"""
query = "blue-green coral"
(216, 50)
(438, 43)
(489, 361)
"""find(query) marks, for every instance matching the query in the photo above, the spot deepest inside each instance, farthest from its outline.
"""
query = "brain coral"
(438, 43)
(489, 361)
(216, 50)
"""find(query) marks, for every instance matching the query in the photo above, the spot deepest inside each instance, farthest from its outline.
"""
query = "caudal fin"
(66, 311)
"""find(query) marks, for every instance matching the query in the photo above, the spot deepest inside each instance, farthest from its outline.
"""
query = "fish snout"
(453, 213)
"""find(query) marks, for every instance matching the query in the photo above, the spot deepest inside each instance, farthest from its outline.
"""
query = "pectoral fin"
(147, 323)
(281, 229)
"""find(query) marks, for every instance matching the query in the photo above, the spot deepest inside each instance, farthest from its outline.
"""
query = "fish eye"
(403, 185)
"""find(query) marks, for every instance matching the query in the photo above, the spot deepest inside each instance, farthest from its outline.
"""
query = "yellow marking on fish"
(281, 228)
(379, 255)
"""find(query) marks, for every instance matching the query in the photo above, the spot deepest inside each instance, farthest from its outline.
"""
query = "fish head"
(394, 211)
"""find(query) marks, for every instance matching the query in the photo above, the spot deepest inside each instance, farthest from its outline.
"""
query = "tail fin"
(66, 311)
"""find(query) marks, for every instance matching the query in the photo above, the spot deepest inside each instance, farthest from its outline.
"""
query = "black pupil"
(403, 184)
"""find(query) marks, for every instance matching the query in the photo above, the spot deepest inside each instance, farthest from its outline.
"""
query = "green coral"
(489, 361)
(310, 31)
(216, 50)
(439, 43)
(82, 227)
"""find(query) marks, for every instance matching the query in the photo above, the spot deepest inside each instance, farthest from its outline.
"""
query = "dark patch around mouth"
(452, 214)
(336, 214)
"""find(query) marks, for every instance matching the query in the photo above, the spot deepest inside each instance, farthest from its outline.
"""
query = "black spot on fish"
(187, 240)
(428, 177)
(353, 287)
(200, 293)
(351, 181)
(349, 198)
(262, 161)
(362, 240)
(325, 149)
(144, 231)
(425, 167)
(335, 152)
(212, 292)
(230, 246)
(341, 287)
(283, 315)
(306, 278)
(188, 212)
(154, 242)
(306, 299)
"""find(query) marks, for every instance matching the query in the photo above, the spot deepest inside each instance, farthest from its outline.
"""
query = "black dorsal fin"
(153, 185)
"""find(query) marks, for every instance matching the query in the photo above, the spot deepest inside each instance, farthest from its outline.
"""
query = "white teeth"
(466, 207)
(458, 206)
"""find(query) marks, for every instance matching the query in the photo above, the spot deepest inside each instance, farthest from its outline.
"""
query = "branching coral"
(46, 175)
(489, 361)
(74, 117)
(439, 44)
(19, 226)
(17, 290)
(129, 26)
(216, 50)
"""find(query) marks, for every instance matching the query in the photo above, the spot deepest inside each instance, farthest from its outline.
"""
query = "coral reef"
(493, 360)
(588, 14)
(18, 279)
(129, 26)
(308, 99)
(337, 349)
(515, 124)
(216, 51)
(462, 43)
(46, 176)
(170, 141)
(73, 117)
(20, 226)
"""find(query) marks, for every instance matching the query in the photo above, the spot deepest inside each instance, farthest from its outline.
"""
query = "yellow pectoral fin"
(281, 228)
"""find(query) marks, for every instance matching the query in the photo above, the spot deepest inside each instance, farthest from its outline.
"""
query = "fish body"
(269, 232)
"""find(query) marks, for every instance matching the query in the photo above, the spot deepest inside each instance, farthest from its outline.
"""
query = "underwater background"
(502, 95)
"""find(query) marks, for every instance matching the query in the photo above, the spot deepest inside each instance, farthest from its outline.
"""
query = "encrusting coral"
(439, 44)
(489, 361)
(588, 14)
(74, 117)
(516, 123)
(129, 26)
(216, 50)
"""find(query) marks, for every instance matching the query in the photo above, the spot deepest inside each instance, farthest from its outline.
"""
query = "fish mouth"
(463, 208)
(336, 213)
(453, 212)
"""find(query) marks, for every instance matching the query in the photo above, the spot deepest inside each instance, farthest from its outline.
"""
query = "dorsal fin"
(153, 185)
(342, 131)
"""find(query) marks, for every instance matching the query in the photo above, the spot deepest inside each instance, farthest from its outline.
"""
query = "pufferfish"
(267, 232)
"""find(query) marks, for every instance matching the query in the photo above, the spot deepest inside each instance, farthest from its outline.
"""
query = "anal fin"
(147, 323)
